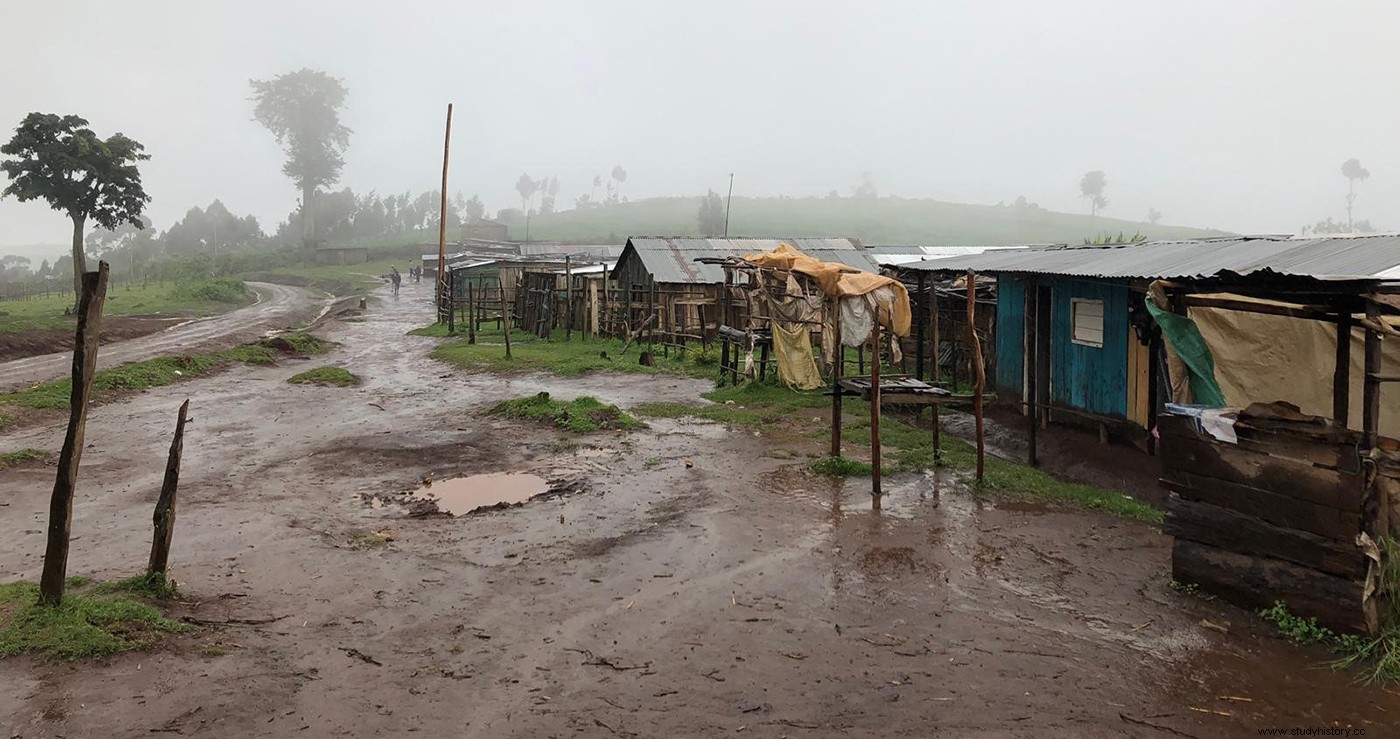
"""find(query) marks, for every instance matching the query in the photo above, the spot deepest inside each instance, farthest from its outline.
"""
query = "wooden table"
(894, 390)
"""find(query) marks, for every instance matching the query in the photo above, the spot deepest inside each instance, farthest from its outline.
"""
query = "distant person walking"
(395, 278)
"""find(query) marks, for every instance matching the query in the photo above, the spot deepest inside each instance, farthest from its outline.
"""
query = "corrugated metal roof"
(1334, 258)
(903, 254)
(671, 259)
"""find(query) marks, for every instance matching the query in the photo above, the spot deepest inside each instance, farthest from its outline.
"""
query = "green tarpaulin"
(1185, 339)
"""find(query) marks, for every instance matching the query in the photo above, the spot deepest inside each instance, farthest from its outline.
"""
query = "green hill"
(887, 220)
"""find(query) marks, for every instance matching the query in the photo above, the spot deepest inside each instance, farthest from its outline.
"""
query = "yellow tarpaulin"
(841, 281)
(796, 367)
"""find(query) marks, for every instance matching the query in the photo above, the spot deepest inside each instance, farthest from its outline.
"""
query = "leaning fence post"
(61, 503)
(164, 517)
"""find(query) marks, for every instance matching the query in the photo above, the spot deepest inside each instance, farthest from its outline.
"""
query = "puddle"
(462, 495)
(689, 427)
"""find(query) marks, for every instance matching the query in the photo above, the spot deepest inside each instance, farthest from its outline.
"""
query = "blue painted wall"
(1011, 335)
(1085, 378)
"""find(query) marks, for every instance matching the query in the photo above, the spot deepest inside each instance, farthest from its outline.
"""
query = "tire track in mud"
(276, 305)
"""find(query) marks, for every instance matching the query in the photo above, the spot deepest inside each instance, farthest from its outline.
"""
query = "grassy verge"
(906, 446)
(1377, 657)
(194, 298)
(581, 415)
(159, 371)
(331, 376)
(88, 624)
(338, 280)
(20, 456)
(568, 358)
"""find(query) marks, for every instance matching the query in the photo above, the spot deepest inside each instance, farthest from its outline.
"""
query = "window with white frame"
(1087, 322)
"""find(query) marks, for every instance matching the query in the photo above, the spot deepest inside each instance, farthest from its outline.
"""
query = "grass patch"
(841, 467)
(1377, 657)
(581, 415)
(332, 376)
(20, 456)
(195, 298)
(362, 540)
(88, 624)
(155, 587)
(296, 342)
(339, 280)
(568, 358)
(906, 447)
(159, 371)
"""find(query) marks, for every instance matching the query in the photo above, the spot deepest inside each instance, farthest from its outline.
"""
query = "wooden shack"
(660, 278)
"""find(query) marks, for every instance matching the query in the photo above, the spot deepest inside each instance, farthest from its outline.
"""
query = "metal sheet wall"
(1093, 379)
(1010, 335)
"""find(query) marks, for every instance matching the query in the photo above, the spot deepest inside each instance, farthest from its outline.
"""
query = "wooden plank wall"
(1272, 518)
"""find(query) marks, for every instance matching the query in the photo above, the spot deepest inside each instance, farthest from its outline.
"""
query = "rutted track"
(277, 306)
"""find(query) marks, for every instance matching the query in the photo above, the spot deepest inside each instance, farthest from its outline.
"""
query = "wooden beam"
(164, 517)
(1371, 388)
(442, 217)
(85, 344)
(1247, 306)
(1233, 531)
(979, 371)
(836, 370)
(1029, 366)
(1341, 370)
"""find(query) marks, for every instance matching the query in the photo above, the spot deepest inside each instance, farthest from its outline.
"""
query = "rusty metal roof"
(672, 259)
(1375, 257)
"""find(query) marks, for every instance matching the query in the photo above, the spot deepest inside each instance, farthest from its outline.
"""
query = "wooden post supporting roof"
(1341, 373)
(979, 372)
(1371, 388)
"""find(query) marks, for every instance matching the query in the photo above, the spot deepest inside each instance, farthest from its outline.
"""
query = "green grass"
(339, 280)
(20, 456)
(156, 372)
(154, 587)
(197, 298)
(906, 447)
(1377, 657)
(568, 358)
(332, 376)
(581, 415)
(87, 624)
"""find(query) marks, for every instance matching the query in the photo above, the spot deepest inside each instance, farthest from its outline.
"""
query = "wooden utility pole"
(90, 302)
(875, 414)
(164, 516)
(442, 219)
(978, 369)
(836, 371)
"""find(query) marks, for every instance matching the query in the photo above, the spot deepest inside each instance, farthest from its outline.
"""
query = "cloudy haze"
(1229, 115)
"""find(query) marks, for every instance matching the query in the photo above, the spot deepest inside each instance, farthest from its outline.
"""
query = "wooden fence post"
(164, 517)
(61, 503)
(977, 369)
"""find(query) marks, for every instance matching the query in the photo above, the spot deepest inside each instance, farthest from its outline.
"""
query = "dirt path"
(737, 597)
(278, 306)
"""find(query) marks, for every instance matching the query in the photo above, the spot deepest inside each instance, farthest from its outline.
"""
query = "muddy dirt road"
(738, 597)
(278, 306)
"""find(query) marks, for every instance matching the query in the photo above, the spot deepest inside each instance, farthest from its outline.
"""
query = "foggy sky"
(1234, 115)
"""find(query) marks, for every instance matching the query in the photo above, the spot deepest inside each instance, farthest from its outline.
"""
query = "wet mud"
(735, 595)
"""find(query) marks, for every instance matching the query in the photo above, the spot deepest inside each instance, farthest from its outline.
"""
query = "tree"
(1354, 172)
(711, 214)
(619, 175)
(475, 209)
(1091, 186)
(302, 109)
(526, 186)
(866, 188)
(60, 160)
(1153, 216)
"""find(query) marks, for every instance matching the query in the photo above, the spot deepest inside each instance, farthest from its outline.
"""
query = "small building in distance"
(484, 229)
(341, 255)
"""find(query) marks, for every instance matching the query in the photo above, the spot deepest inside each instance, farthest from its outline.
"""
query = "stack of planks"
(1272, 518)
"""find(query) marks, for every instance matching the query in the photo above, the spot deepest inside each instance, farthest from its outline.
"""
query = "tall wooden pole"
(568, 299)
(1341, 372)
(164, 517)
(977, 369)
(442, 217)
(90, 300)
(836, 369)
(875, 414)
